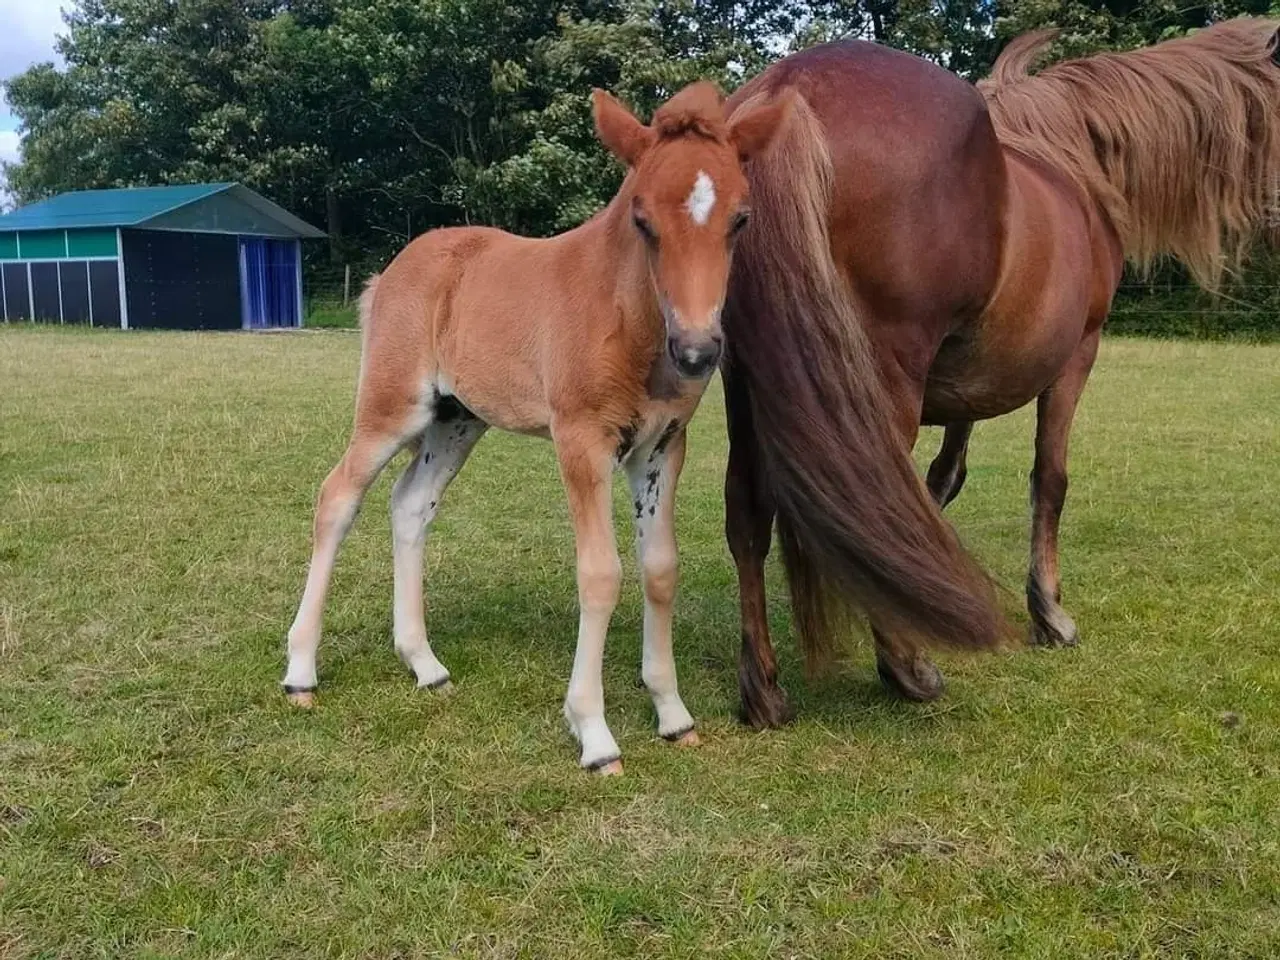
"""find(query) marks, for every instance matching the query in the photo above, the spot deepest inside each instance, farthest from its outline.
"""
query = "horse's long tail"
(855, 521)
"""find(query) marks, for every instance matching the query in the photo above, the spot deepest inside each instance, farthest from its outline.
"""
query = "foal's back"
(491, 316)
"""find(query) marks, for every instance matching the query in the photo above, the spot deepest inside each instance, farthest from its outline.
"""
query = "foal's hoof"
(304, 699)
(441, 688)
(685, 738)
(920, 681)
(609, 768)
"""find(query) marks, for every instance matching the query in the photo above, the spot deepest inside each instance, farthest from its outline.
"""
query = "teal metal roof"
(197, 208)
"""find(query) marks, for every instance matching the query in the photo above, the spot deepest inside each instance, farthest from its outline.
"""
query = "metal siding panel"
(46, 300)
(42, 244)
(104, 287)
(73, 278)
(91, 243)
(181, 281)
(8, 246)
(17, 298)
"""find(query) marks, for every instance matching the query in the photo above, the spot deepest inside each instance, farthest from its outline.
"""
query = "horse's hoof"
(1051, 637)
(441, 688)
(303, 699)
(611, 768)
(689, 738)
(921, 682)
(766, 709)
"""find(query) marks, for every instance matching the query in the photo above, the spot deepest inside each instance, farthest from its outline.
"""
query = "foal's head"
(688, 203)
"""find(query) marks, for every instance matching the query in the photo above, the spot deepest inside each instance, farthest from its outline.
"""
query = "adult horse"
(926, 253)
(601, 339)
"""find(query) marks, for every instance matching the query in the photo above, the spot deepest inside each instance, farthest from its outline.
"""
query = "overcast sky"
(27, 30)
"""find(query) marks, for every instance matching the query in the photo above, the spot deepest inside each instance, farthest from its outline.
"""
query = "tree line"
(380, 119)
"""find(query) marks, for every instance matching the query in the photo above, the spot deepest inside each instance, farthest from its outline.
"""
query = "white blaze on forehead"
(701, 199)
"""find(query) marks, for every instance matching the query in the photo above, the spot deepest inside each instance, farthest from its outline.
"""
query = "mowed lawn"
(159, 798)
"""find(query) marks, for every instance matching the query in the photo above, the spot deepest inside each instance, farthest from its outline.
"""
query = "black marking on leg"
(290, 689)
(667, 435)
(437, 684)
(601, 764)
(450, 408)
(639, 509)
(673, 737)
(627, 440)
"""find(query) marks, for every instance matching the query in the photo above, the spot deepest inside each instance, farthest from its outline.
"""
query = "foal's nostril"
(694, 359)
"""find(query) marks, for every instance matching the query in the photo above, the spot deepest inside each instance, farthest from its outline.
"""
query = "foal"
(602, 339)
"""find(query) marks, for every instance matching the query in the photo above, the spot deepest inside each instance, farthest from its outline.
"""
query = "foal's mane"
(698, 109)
(1178, 143)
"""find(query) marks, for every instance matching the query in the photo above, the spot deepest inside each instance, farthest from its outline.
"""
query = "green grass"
(158, 798)
(331, 315)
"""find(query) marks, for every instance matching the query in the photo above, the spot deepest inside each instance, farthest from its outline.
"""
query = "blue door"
(270, 283)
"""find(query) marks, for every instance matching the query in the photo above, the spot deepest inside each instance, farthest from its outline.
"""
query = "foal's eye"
(645, 228)
(738, 222)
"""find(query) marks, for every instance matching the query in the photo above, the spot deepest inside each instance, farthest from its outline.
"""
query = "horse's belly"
(994, 368)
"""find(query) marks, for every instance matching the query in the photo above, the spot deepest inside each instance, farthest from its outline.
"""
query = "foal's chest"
(655, 425)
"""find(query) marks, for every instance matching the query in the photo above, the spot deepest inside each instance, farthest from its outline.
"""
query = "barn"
(213, 256)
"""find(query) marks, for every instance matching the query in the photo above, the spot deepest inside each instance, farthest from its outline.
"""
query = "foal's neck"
(621, 260)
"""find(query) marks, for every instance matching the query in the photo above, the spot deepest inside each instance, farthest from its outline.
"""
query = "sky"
(27, 31)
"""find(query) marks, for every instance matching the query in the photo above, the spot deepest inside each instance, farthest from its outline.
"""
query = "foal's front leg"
(586, 456)
(653, 480)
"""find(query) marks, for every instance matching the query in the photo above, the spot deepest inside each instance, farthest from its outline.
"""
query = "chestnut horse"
(926, 253)
(602, 339)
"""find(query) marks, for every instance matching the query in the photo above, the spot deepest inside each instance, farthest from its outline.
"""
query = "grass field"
(158, 798)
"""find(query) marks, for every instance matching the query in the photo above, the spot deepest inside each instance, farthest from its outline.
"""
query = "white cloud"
(28, 29)
(8, 145)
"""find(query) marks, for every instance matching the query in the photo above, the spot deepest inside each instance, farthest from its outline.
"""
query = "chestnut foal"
(602, 339)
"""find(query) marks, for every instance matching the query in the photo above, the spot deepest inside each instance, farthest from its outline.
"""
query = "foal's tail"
(855, 522)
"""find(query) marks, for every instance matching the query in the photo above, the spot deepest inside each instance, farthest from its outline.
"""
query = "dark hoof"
(920, 682)
(1050, 637)
(766, 709)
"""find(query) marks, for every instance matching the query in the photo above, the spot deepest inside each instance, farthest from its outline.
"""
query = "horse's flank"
(1178, 143)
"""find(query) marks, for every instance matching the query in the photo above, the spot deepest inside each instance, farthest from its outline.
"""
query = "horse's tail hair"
(855, 522)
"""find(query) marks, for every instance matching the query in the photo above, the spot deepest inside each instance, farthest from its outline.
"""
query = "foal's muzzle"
(695, 357)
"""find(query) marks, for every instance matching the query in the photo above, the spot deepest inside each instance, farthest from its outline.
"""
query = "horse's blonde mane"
(1178, 143)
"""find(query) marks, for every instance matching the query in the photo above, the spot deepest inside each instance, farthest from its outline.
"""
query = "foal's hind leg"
(415, 499)
(653, 480)
(336, 508)
(948, 469)
(1055, 408)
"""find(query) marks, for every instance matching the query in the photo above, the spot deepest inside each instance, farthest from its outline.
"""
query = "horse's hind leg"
(653, 480)
(336, 509)
(444, 448)
(948, 469)
(1055, 409)
(748, 525)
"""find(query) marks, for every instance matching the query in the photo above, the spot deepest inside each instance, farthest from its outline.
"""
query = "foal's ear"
(622, 134)
(755, 123)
